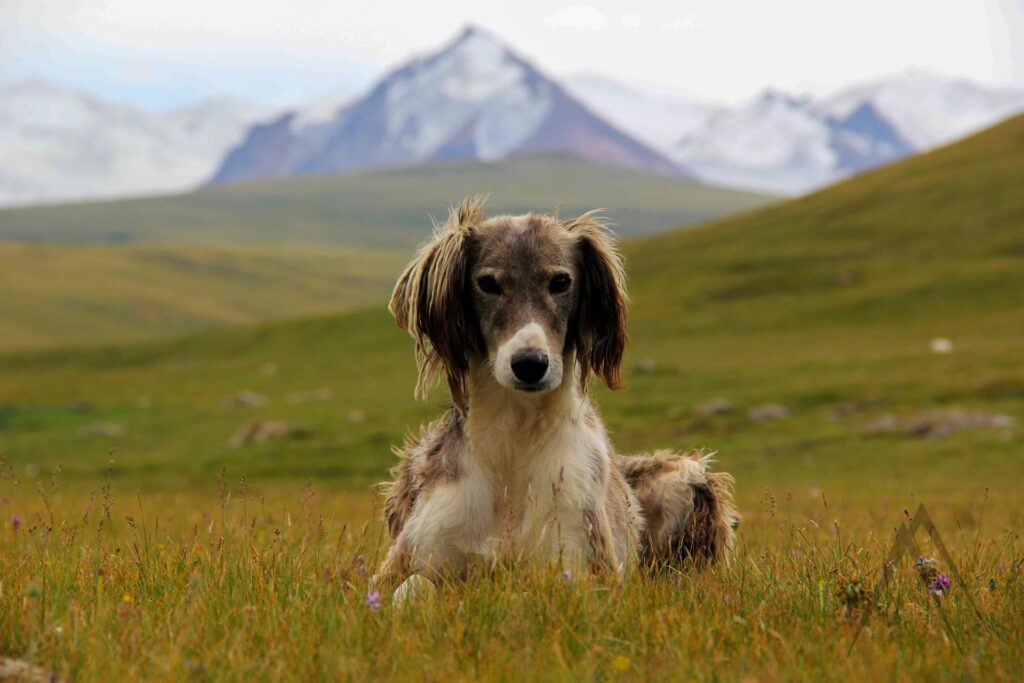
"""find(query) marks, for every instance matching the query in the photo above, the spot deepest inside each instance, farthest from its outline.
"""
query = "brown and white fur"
(518, 313)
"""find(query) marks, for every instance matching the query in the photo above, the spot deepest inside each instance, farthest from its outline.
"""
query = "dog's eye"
(488, 285)
(560, 283)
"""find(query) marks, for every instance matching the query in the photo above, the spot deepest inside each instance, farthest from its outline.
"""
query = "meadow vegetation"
(245, 584)
(849, 355)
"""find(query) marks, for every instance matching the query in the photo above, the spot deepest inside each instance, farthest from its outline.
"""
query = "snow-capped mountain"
(928, 109)
(62, 145)
(787, 145)
(215, 125)
(474, 99)
(784, 144)
(657, 118)
(323, 109)
(477, 99)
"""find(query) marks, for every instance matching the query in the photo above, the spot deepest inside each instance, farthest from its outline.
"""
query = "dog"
(518, 314)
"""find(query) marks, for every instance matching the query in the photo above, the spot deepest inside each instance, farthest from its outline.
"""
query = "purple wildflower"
(373, 600)
(940, 585)
(566, 574)
(16, 521)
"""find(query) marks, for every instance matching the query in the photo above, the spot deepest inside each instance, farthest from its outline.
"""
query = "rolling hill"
(826, 306)
(930, 237)
(55, 294)
(379, 209)
(140, 269)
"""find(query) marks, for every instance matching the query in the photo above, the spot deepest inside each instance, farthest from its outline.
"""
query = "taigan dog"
(519, 313)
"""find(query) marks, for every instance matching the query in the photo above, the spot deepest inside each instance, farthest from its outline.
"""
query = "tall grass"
(240, 584)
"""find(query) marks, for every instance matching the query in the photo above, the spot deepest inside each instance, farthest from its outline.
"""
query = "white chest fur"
(528, 473)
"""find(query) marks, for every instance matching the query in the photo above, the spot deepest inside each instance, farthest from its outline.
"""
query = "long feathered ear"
(430, 303)
(601, 314)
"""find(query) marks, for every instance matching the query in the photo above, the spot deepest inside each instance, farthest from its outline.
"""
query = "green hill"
(937, 235)
(54, 294)
(826, 305)
(108, 274)
(379, 209)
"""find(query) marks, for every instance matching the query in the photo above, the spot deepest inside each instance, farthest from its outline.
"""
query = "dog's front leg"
(416, 587)
(428, 548)
(407, 574)
(395, 566)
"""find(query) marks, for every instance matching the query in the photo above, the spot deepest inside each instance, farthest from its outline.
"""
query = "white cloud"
(681, 25)
(302, 48)
(579, 17)
(631, 22)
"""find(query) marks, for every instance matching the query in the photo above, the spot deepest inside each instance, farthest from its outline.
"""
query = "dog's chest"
(530, 497)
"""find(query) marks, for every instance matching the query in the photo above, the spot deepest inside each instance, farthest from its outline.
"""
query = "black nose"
(529, 365)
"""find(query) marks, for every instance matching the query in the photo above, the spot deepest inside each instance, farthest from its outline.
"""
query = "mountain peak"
(474, 98)
(475, 44)
(472, 32)
(469, 31)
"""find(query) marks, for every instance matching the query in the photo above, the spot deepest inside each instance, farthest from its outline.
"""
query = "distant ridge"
(382, 208)
(789, 144)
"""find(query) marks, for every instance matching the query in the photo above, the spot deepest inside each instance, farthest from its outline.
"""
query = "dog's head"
(525, 295)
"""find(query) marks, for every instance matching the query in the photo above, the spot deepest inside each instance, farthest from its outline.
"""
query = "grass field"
(250, 585)
(883, 315)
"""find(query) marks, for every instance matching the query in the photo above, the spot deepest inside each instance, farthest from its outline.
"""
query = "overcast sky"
(156, 53)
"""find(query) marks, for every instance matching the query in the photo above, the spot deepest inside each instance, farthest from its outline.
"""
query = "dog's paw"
(416, 587)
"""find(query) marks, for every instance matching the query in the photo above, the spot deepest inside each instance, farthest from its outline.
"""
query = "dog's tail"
(710, 532)
(688, 511)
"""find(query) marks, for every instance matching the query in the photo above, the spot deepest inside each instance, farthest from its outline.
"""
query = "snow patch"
(930, 110)
(321, 111)
(61, 145)
(655, 118)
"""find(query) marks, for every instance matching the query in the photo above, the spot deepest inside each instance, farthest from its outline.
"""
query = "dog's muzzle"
(524, 362)
(529, 367)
